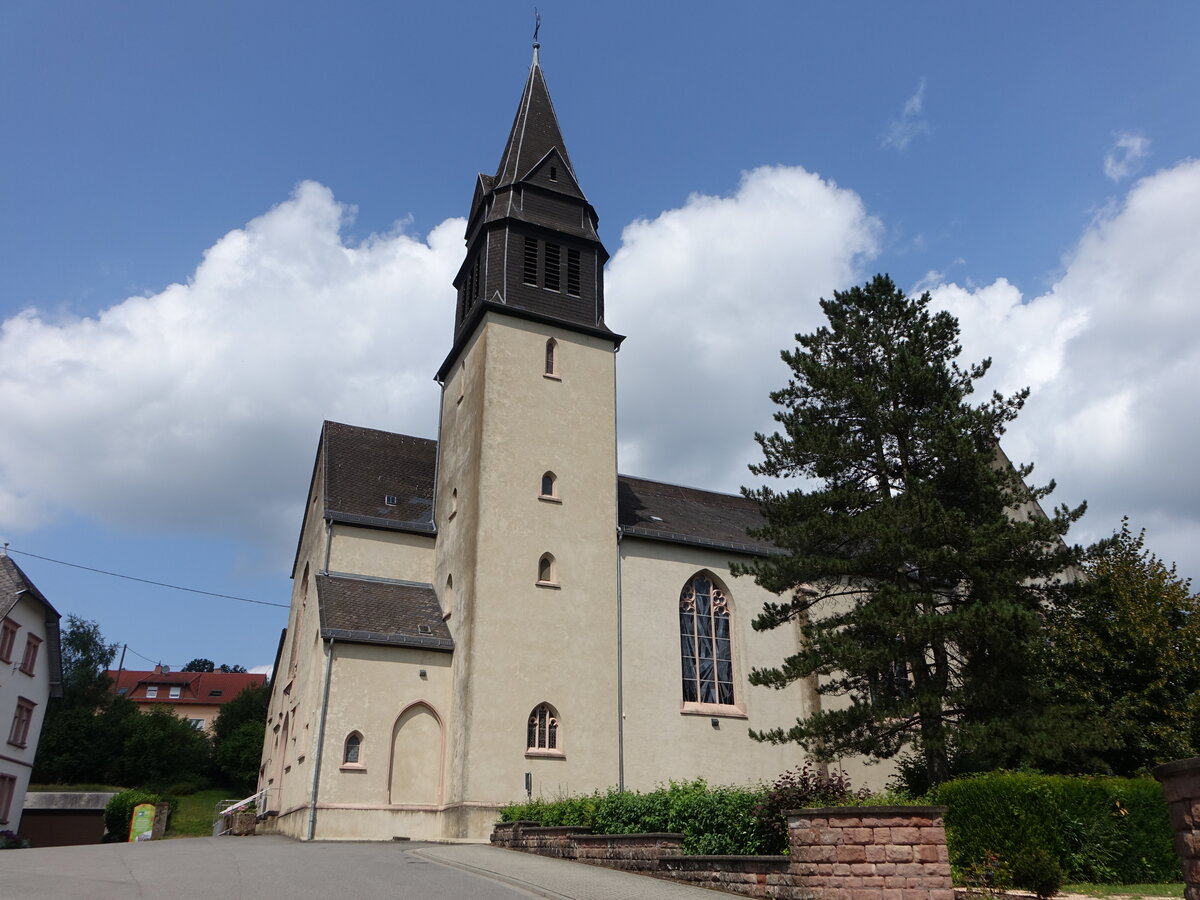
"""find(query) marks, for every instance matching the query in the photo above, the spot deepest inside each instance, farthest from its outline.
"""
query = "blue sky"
(291, 168)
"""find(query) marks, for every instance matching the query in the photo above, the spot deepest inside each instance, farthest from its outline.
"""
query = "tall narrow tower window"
(553, 268)
(572, 271)
(531, 256)
(546, 570)
(552, 357)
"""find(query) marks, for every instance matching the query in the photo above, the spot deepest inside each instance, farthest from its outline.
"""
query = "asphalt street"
(269, 866)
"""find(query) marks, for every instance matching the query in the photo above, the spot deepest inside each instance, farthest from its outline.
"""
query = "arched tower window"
(549, 482)
(552, 357)
(705, 642)
(352, 752)
(542, 731)
(547, 571)
(448, 600)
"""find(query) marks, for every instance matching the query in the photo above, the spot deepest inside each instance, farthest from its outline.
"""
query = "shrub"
(1037, 870)
(119, 812)
(798, 789)
(1098, 829)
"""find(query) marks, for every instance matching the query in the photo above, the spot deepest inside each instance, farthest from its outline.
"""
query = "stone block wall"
(872, 853)
(841, 853)
(1181, 789)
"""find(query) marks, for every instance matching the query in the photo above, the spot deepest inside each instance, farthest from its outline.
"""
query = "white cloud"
(198, 408)
(709, 294)
(1126, 155)
(1111, 355)
(901, 131)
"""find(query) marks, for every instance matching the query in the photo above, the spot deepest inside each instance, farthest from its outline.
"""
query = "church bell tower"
(526, 484)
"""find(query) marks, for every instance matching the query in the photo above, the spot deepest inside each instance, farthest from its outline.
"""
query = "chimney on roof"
(158, 670)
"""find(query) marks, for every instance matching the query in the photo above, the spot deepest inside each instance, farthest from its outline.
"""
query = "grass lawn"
(196, 812)
(1136, 891)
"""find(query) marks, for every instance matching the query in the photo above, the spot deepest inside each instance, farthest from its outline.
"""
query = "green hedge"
(118, 814)
(1100, 829)
(716, 820)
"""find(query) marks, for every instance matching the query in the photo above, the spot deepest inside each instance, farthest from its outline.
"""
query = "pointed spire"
(535, 131)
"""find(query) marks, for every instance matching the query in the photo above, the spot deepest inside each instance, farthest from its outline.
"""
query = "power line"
(174, 587)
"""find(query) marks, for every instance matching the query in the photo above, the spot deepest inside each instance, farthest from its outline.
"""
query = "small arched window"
(453, 504)
(552, 358)
(549, 480)
(449, 598)
(351, 754)
(705, 644)
(542, 732)
(546, 569)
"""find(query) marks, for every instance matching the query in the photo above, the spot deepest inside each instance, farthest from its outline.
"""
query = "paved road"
(270, 866)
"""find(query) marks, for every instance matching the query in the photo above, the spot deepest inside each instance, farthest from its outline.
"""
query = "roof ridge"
(686, 487)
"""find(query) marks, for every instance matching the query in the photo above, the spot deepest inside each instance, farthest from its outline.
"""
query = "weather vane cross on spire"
(537, 25)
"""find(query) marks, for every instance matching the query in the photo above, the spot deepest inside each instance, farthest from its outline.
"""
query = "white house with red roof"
(30, 674)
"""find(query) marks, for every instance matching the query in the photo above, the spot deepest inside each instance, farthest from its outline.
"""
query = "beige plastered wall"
(289, 742)
(382, 554)
(371, 688)
(662, 739)
(519, 643)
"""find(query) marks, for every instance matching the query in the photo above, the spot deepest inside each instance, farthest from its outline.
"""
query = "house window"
(546, 570)
(8, 637)
(8, 787)
(175, 693)
(572, 272)
(353, 749)
(152, 692)
(531, 261)
(22, 718)
(705, 645)
(31, 653)
(552, 357)
(216, 693)
(542, 733)
(551, 268)
(198, 724)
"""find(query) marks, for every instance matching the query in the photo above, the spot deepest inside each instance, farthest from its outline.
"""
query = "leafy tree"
(918, 563)
(238, 734)
(1125, 646)
(200, 664)
(86, 656)
(233, 670)
(92, 735)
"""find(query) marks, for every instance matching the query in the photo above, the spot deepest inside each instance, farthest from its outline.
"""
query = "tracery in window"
(542, 733)
(350, 755)
(705, 645)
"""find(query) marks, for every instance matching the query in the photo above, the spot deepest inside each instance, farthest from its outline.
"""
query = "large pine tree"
(918, 562)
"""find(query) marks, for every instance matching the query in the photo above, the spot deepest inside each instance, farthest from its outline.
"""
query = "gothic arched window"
(552, 357)
(546, 573)
(705, 643)
(542, 733)
(351, 752)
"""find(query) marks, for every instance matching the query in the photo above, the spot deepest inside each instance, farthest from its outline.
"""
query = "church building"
(498, 614)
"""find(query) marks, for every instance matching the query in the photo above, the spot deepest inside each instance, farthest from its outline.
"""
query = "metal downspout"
(316, 782)
(620, 676)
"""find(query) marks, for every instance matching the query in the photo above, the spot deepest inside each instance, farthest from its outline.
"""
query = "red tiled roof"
(196, 687)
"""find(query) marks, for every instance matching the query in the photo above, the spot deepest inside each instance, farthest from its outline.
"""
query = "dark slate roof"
(668, 512)
(367, 610)
(13, 583)
(535, 132)
(363, 467)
